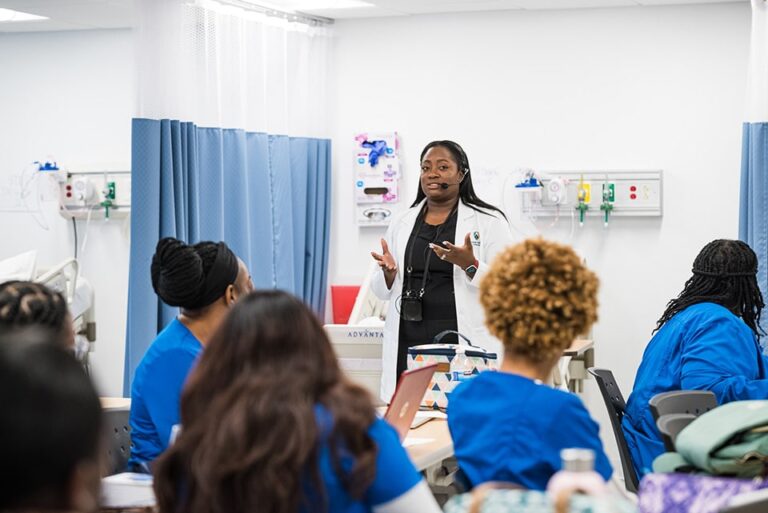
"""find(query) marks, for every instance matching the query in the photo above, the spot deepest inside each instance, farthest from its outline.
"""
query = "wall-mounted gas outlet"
(630, 193)
(98, 195)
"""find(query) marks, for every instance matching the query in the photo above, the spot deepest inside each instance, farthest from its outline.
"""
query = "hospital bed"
(65, 278)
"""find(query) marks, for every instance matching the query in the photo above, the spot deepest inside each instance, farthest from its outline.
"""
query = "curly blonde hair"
(538, 297)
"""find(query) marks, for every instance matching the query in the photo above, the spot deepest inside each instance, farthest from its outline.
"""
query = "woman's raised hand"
(387, 262)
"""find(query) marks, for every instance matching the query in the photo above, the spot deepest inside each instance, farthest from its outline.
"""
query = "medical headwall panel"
(95, 194)
(605, 194)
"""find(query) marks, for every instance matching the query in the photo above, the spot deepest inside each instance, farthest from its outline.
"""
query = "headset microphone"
(445, 185)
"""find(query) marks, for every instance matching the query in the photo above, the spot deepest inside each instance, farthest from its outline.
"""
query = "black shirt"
(438, 307)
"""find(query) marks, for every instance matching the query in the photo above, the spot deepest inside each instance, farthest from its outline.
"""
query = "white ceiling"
(411, 7)
(70, 14)
(107, 14)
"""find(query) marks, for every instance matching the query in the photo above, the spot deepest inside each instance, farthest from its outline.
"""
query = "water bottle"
(577, 475)
(461, 368)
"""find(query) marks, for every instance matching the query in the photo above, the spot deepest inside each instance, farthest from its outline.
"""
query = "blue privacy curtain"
(266, 196)
(753, 208)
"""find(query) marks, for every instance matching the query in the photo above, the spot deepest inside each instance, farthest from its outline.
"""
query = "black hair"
(179, 272)
(467, 193)
(50, 421)
(25, 303)
(724, 272)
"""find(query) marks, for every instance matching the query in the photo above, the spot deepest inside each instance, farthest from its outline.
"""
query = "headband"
(723, 274)
(222, 274)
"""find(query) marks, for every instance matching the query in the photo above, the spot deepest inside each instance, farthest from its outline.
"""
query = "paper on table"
(431, 414)
(422, 417)
(408, 442)
(127, 490)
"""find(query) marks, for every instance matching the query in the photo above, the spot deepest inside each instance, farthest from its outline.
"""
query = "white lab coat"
(489, 234)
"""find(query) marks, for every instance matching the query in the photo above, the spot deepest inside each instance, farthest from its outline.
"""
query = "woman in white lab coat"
(433, 258)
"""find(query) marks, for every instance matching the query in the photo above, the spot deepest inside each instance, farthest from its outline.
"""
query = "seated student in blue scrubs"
(508, 425)
(270, 423)
(204, 280)
(707, 339)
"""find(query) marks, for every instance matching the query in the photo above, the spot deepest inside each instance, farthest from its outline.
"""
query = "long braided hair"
(25, 303)
(724, 272)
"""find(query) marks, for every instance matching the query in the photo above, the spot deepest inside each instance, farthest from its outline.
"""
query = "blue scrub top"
(704, 347)
(506, 427)
(395, 474)
(156, 391)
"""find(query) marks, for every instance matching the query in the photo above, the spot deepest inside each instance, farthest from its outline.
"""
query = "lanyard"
(414, 235)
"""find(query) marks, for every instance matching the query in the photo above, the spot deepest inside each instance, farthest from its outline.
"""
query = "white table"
(115, 403)
(432, 453)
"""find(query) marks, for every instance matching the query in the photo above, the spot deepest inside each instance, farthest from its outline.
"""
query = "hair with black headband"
(724, 272)
(192, 276)
(25, 303)
(467, 193)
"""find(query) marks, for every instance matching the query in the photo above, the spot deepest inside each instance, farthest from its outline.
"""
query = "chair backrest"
(670, 426)
(694, 402)
(614, 403)
(118, 439)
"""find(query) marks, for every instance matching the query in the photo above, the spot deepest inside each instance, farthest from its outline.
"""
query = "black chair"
(694, 402)
(462, 481)
(670, 426)
(118, 438)
(614, 403)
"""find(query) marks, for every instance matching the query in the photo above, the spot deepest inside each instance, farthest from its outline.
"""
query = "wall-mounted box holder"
(376, 171)
(635, 193)
(376, 190)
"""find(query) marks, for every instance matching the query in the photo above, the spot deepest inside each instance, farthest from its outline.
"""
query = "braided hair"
(25, 303)
(724, 273)
(179, 272)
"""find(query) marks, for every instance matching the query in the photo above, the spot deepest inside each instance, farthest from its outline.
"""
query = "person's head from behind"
(250, 434)
(50, 426)
(25, 303)
(445, 163)
(198, 278)
(538, 297)
(724, 272)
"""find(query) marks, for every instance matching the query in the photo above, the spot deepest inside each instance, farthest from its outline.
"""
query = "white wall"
(70, 95)
(631, 88)
(621, 88)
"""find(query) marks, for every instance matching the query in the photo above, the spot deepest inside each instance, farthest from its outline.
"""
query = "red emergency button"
(633, 196)
(633, 188)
